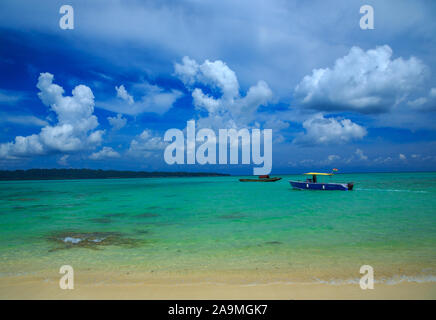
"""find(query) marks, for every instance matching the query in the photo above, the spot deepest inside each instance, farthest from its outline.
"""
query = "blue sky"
(103, 95)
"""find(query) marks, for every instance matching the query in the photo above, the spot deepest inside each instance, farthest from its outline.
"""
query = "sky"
(102, 95)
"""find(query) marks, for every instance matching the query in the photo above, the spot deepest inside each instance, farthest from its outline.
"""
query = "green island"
(64, 174)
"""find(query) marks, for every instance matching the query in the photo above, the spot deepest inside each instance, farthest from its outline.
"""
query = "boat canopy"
(318, 174)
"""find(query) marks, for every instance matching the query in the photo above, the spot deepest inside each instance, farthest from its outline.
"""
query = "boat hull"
(302, 185)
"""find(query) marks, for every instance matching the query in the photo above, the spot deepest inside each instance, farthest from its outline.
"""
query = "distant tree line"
(63, 174)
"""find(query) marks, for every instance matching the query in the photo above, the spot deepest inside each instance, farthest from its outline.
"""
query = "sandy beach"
(95, 287)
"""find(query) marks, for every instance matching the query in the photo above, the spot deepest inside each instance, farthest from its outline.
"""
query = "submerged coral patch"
(90, 240)
(273, 242)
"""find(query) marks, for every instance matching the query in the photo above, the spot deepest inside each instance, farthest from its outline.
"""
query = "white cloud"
(333, 157)
(117, 122)
(157, 100)
(104, 153)
(123, 94)
(63, 161)
(152, 99)
(275, 124)
(215, 74)
(10, 96)
(417, 103)
(424, 103)
(361, 155)
(320, 130)
(364, 81)
(402, 156)
(256, 37)
(23, 120)
(383, 160)
(230, 109)
(74, 130)
(146, 144)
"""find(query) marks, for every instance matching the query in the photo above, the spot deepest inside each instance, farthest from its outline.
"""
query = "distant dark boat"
(265, 178)
(313, 184)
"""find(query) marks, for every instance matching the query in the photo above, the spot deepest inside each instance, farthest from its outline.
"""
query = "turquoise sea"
(218, 226)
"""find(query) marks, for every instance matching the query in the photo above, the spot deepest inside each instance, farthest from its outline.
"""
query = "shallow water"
(219, 225)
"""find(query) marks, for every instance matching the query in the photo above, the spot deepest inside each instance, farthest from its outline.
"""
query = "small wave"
(390, 281)
(393, 190)
(417, 279)
(336, 282)
(77, 240)
(72, 240)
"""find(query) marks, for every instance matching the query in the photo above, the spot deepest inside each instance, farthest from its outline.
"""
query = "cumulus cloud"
(424, 103)
(74, 130)
(152, 98)
(146, 144)
(225, 107)
(123, 94)
(361, 155)
(321, 130)
(117, 122)
(105, 153)
(364, 81)
(402, 156)
(275, 124)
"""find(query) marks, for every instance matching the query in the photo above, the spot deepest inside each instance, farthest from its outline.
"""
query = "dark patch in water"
(68, 205)
(90, 240)
(232, 216)
(147, 215)
(35, 206)
(101, 220)
(273, 242)
(23, 199)
(170, 195)
(162, 223)
(110, 215)
(142, 231)
(153, 207)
